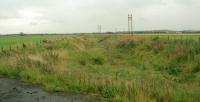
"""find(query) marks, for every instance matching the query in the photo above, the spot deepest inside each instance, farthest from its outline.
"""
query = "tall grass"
(117, 68)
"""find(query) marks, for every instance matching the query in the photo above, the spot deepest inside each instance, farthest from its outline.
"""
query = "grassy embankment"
(120, 68)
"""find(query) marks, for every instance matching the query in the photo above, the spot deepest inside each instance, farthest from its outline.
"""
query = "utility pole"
(130, 23)
(116, 30)
(99, 28)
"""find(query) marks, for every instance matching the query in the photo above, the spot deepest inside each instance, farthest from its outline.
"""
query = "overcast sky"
(68, 16)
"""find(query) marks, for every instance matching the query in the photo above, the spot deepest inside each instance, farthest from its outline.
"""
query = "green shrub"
(173, 70)
(25, 75)
(98, 60)
(156, 38)
(196, 68)
(9, 72)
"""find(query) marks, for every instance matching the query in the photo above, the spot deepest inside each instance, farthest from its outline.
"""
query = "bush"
(98, 60)
(196, 68)
(25, 75)
(24, 45)
(173, 70)
(10, 72)
(170, 68)
(155, 38)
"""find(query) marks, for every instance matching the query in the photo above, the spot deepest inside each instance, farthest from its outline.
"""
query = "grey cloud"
(62, 16)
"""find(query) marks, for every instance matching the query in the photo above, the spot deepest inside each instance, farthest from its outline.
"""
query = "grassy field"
(7, 41)
(118, 68)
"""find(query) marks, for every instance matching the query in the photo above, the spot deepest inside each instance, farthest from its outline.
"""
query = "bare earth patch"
(12, 90)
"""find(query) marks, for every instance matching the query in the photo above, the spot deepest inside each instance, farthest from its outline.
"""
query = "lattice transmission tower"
(130, 23)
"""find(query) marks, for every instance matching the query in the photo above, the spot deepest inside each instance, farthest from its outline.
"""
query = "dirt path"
(16, 91)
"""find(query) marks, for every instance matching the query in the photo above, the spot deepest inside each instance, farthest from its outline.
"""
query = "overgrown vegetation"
(118, 68)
